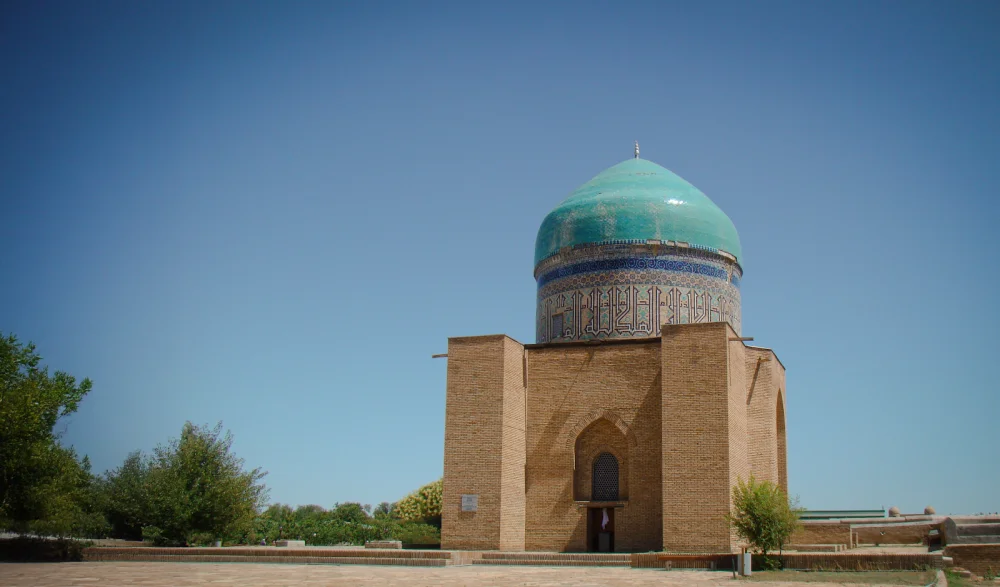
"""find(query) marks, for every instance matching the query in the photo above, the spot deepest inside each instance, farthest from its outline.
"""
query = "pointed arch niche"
(594, 448)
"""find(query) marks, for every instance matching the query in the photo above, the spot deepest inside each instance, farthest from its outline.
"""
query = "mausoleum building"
(626, 424)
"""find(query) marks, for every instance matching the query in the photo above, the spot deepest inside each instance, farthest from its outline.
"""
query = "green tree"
(384, 510)
(346, 523)
(198, 491)
(273, 523)
(39, 479)
(762, 515)
(126, 497)
(72, 498)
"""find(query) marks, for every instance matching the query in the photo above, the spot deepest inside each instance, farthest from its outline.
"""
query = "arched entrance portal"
(601, 481)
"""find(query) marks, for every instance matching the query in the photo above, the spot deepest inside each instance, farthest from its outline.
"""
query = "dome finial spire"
(637, 149)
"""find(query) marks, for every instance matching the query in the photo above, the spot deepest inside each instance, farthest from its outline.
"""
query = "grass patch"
(849, 577)
(955, 581)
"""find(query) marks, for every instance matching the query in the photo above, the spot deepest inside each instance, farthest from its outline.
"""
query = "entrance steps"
(551, 559)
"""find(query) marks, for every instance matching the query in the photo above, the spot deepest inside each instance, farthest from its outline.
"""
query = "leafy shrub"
(155, 536)
(32, 549)
(346, 523)
(762, 515)
(417, 533)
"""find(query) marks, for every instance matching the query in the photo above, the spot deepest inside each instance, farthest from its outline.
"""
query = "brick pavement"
(277, 575)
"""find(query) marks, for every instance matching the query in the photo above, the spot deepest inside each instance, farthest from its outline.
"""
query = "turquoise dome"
(635, 201)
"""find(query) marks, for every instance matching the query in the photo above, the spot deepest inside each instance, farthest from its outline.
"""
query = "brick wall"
(822, 533)
(978, 558)
(608, 395)
(484, 417)
(763, 374)
(739, 424)
(695, 436)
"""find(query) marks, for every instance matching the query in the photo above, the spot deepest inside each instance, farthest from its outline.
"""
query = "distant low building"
(840, 514)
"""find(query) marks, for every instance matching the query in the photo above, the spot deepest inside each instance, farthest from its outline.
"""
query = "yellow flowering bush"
(422, 504)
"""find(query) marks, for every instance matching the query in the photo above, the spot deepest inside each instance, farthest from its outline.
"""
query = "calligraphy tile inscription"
(627, 295)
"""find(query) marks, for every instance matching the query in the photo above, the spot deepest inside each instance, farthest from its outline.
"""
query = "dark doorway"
(601, 531)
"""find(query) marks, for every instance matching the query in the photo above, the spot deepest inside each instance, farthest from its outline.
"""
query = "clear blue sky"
(273, 213)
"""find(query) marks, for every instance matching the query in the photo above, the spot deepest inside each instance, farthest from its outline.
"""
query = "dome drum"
(630, 291)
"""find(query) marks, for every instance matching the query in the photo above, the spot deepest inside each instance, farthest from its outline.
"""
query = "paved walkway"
(276, 575)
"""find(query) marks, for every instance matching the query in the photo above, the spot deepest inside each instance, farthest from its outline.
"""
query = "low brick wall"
(895, 533)
(112, 542)
(266, 554)
(293, 560)
(822, 561)
(978, 558)
(822, 533)
(651, 560)
(909, 530)
(646, 560)
(816, 547)
(845, 561)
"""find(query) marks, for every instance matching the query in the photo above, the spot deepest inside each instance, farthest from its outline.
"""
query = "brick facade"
(766, 416)
(685, 414)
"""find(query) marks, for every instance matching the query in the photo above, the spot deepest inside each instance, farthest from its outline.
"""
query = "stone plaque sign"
(470, 503)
